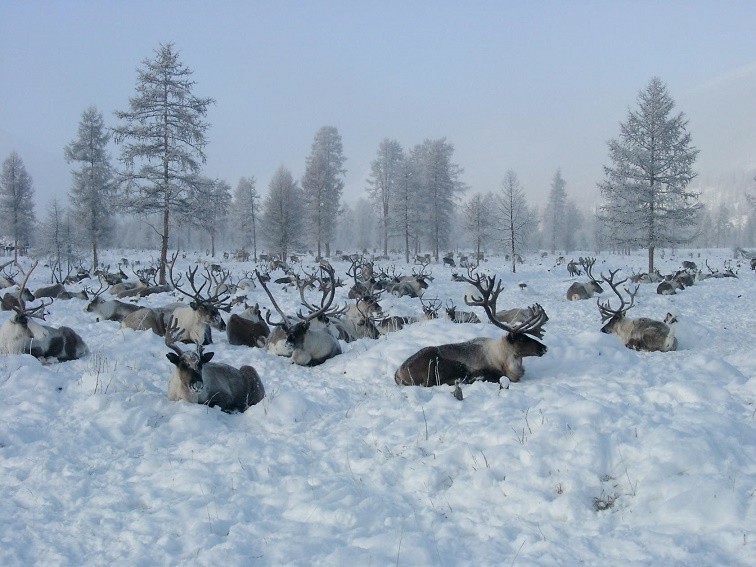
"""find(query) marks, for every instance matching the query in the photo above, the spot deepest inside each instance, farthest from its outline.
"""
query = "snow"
(599, 455)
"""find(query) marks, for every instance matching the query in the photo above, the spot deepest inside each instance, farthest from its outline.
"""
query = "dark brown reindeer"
(309, 341)
(197, 380)
(21, 334)
(637, 334)
(248, 328)
(481, 358)
(579, 290)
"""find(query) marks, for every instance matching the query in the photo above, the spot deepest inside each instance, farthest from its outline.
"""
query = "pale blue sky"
(529, 86)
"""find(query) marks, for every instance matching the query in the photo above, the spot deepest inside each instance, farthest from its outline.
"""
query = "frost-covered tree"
(645, 194)
(439, 186)
(385, 176)
(209, 206)
(572, 222)
(163, 140)
(282, 213)
(16, 202)
(246, 210)
(479, 221)
(59, 240)
(407, 204)
(92, 194)
(553, 218)
(514, 217)
(322, 185)
(723, 227)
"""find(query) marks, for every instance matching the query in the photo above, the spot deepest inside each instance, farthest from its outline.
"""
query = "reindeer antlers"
(605, 308)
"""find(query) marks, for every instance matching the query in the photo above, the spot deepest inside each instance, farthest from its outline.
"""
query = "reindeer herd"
(316, 332)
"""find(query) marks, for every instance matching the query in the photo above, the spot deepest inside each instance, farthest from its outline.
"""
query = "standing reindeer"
(580, 290)
(481, 358)
(197, 380)
(637, 334)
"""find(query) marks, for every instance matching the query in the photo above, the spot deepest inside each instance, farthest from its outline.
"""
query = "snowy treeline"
(156, 194)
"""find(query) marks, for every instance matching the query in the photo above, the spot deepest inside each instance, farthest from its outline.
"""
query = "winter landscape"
(599, 455)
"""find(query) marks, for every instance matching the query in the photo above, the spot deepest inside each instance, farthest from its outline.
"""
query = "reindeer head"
(188, 364)
(612, 317)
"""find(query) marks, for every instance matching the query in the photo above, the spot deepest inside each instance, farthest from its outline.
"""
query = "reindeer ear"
(207, 356)
(173, 357)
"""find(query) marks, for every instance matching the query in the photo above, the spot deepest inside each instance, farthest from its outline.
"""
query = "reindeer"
(360, 319)
(308, 341)
(203, 312)
(519, 316)
(637, 334)
(456, 316)
(155, 319)
(197, 380)
(21, 334)
(110, 310)
(580, 290)
(572, 268)
(247, 328)
(481, 358)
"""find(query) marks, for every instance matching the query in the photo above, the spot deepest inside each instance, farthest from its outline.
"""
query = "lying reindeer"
(248, 328)
(309, 342)
(481, 358)
(197, 380)
(586, 290)
(108, 310)
(638, 334)
(21, 334)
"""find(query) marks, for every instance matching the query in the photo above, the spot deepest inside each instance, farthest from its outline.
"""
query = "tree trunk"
(164, 245)
(94, 253)
(650, 259)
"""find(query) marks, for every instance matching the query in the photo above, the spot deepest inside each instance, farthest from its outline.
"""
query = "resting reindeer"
(580, 290)
(197, 380)
(203, 312)
(638, 334)
(247, 328)
(308, 341)
(481, 358)
(110, 310)
(21, 334)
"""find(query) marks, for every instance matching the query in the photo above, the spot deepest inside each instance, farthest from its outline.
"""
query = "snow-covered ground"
(600, 455)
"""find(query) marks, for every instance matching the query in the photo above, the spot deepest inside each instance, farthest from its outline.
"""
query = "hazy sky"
(523, 85)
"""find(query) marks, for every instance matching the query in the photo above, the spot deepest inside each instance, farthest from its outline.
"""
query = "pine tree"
(92, 194)
(406, 205)
(282, 213)
(16, 202)
(163, 137)
(385, 176)
(479, 220)
(322, 184)
(646, 201)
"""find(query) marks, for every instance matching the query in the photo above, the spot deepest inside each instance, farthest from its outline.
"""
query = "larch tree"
(439, 185)
(646, 201)
(479, 222)
(554, 220)
(16, 202)
(282, 213)
(209, 206)
(163, 140)
(406, 205)
(246, 210)
(92, 194)
(322, 185)
(514, 217)
(385, 176)
(58, 241)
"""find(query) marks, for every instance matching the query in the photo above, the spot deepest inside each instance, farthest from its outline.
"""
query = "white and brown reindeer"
(20, 333)
(203, 311)
(481, 358)
(197, 380)
(637, 334)
(308, 341)
(585, 290)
